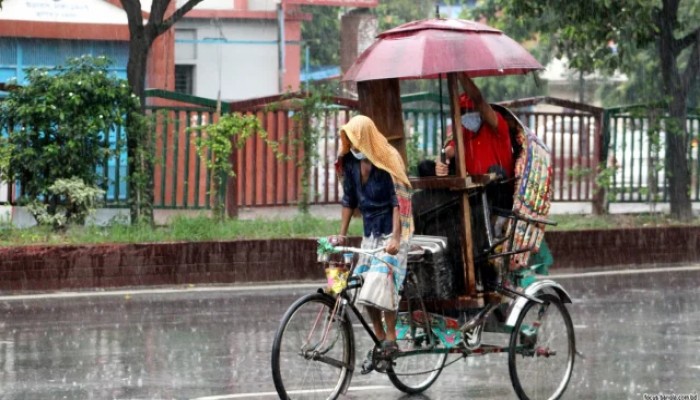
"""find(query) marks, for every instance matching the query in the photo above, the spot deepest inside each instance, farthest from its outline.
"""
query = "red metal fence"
(182, 181)
(574, 137)
(574, 133)
(265, 180)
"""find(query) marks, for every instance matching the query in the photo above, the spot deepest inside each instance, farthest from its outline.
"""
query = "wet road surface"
(638, 332)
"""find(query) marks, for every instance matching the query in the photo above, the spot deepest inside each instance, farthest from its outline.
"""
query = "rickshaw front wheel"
(313, 353)
(542, 349)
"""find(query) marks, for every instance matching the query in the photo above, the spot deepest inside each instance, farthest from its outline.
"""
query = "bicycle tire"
(414, 374)
(302, 362)
(542, 349)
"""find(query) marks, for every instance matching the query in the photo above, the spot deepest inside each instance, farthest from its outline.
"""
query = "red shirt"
(488, 148)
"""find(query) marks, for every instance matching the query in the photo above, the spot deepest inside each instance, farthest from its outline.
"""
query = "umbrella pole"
(442, 121)
(468, 246)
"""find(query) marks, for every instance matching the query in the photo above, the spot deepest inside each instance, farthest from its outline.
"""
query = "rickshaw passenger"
(486, 135)
(375, 182)
(487, 145)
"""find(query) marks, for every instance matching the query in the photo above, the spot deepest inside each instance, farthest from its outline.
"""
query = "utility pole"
(281, 44)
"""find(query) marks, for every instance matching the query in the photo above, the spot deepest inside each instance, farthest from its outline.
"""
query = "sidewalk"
(332, 211)
(21, 218)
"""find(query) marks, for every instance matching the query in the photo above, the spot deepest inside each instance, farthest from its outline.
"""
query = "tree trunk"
(138, 136)
(677, 169)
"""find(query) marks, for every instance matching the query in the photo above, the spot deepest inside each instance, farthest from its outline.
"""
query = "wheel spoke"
(421, 358)
(312, 352)
(542, 348)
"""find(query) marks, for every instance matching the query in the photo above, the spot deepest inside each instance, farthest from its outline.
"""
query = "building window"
(184, 79)
(185, 44)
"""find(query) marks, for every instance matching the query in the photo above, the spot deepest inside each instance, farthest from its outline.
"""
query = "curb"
(70, 267)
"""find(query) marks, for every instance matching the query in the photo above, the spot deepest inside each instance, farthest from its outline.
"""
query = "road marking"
(299, 286)
(274, 394)
(624, 272)
(141, 291)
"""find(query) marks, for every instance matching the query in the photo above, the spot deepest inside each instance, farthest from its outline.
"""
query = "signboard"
(336, 3)
(72, 11)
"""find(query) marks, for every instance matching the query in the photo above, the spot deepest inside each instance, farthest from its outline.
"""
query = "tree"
(215, 146)
(606, 35)
(322, 32)
(139, 140)
(59, 122)
(322, 35)
(396, 12)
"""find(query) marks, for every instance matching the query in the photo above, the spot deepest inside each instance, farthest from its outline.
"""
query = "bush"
(77, 201)
(59, 124)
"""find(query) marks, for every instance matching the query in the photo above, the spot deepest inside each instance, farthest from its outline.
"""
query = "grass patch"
(181, 229)
(569, 222)
(191, 229)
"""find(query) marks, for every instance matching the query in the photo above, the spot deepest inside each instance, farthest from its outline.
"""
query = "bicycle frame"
(343, 302)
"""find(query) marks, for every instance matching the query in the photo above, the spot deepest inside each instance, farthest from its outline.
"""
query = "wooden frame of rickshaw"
(381, 100)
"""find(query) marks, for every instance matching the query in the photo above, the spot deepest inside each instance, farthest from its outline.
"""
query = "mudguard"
(544, 286)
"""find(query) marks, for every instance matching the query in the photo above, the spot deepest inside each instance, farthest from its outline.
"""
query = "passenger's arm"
(487, 113)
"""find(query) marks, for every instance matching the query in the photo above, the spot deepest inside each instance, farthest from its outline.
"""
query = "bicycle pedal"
(382, 366)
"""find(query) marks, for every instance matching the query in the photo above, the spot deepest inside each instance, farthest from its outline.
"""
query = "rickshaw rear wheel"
(414, 374)
(542, 350)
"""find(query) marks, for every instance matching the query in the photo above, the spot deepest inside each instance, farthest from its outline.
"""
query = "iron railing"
(583, 140)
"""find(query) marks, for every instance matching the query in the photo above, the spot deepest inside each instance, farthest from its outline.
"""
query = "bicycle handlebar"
(349, 249)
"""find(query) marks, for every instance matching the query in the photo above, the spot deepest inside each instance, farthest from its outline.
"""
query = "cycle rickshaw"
(449, 297)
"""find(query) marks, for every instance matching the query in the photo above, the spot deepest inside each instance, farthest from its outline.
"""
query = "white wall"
(244, 63)
(4, 192)
(262, 5)
(210, 4)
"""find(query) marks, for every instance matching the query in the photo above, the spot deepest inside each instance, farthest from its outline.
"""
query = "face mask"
(358, 154)
(472, 121)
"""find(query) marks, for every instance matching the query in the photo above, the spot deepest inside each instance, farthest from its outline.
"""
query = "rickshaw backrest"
(532, 198)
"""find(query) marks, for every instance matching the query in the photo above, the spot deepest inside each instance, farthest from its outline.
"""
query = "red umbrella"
(427, 48)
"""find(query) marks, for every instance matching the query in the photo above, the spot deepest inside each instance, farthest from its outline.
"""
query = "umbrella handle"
(442, 120)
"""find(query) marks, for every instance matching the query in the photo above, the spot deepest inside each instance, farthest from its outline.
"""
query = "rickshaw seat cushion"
(433, 271)
(415, 253)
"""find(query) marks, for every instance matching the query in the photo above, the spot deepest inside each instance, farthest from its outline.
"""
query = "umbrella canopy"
(427, 48)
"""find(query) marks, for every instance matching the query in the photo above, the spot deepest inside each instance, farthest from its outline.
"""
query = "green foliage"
(605, 35)
(642, 85)
(510, 87)
(141, 162)
(58, 123)
(580, 31)
(77, 201)
(322, 35)
(203, 228)
(217, 143)
(391, 14)
(311, 110)
(322, 32)
(414, 153)
(5, 154)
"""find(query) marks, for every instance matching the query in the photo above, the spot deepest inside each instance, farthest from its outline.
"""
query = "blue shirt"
(376, 199)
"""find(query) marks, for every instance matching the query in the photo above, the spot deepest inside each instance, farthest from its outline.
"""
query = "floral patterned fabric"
(533, 191)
